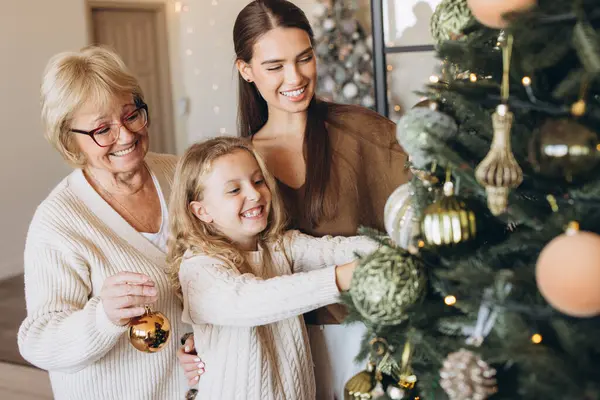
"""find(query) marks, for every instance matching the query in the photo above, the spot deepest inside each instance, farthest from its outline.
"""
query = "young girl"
(245, 281)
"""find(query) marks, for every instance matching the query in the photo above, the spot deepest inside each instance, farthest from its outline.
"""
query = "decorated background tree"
(345, 69)
(488, 285)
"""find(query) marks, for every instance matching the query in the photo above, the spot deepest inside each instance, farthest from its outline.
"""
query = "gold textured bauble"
(150, 332)
(568, 273)
(564, 148)
(448, 221)
(361, 385)
(490, 12)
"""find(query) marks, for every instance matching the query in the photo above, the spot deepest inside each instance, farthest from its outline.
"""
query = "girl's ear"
(200, 212)
(245, 70)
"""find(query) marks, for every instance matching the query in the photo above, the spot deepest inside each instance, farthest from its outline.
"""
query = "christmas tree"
(344, 68)
(488, 285)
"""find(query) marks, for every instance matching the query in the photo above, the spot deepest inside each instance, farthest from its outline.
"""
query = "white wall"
(30, 33)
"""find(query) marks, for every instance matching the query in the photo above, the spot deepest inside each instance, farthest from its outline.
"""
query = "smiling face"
(235, 199)
(283, 68)
(127, 154)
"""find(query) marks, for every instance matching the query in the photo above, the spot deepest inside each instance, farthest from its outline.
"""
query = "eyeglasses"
(108, 134)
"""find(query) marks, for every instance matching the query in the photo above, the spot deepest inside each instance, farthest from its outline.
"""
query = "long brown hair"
(256, 19)
(187, 231)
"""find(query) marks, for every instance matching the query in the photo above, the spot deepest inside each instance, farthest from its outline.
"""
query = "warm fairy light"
(434, 79)
(450, 300)
(536, 338)
(526, 81)
(390, 67)
(421, 244)
(473, 77)
(398, 108)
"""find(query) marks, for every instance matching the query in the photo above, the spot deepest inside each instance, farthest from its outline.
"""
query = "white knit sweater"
(248, 326)
(75, 241)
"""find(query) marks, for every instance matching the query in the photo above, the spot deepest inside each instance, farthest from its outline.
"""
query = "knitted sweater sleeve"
(65, 330)
(218, 295)
(309, 253)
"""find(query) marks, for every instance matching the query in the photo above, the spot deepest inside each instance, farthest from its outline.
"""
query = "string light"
(526, 81)
(536, 338)
(450, 300)
(397, 108)
(473, 77)
(434, 79)
(390, 67)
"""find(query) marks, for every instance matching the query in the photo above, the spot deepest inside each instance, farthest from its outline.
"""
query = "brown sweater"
(367, 165)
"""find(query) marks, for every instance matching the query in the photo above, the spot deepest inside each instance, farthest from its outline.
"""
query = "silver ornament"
(328, 24)
(465, 376)
(419, 129)
(319, 10)
(399, 217)
(350, 90)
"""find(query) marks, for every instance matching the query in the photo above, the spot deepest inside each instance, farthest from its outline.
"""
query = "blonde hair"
(71, 79)
(190, 233)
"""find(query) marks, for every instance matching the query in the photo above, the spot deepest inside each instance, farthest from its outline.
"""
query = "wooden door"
(134, 34)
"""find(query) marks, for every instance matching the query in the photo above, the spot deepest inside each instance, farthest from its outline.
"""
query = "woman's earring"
(248, 79)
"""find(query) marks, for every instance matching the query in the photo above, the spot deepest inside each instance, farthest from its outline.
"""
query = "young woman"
(336, 164)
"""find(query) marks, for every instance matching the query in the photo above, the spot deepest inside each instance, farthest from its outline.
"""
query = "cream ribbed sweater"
(248, 326)
(75, 241)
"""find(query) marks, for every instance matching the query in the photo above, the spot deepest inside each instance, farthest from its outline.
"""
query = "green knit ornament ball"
(448, 20)
(386, 283)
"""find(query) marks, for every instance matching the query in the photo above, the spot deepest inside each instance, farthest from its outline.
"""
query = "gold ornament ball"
(448, 221)
(564, 148)
(150, 332)
(568, 273)
(490, 12)
(360, 386)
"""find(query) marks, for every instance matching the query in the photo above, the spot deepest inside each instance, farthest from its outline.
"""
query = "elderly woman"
(95, 251)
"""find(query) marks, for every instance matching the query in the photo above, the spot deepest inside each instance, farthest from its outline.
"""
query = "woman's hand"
(124, 295)
(343, 275)
(192, 366)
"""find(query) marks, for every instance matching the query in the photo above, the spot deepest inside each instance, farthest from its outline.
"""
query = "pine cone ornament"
(465, 376)
(386, 284)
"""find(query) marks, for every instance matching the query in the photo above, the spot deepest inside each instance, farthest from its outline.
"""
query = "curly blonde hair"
(187, 232)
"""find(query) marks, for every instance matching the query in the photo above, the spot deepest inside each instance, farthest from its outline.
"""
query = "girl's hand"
(192, 365)
(343, 275)
(124, 295)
